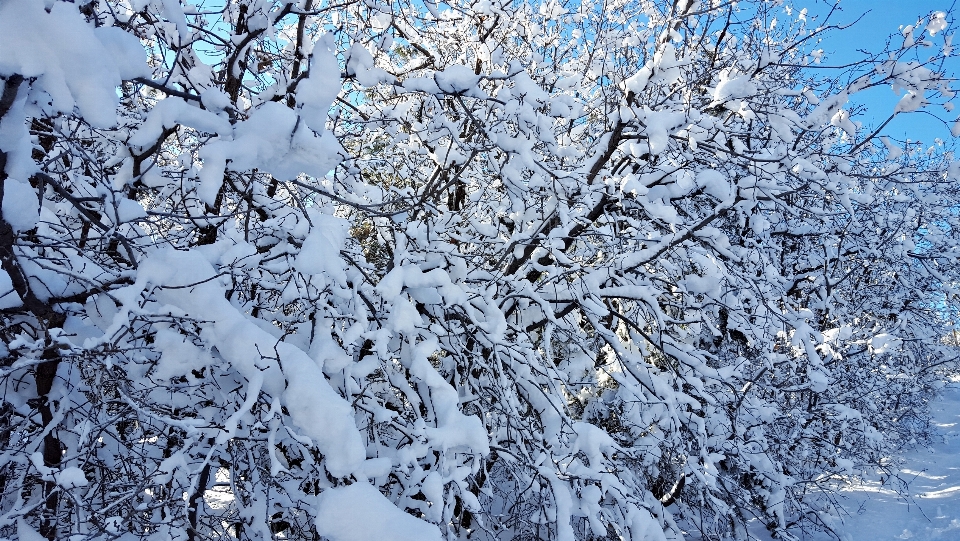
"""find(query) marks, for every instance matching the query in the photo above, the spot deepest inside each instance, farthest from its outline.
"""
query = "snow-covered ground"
(932, 511)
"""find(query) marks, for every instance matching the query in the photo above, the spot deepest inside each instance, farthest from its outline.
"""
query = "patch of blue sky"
(875, 24)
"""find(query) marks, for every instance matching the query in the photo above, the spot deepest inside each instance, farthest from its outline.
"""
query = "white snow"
(359, 512)
(659, 126)
(129, 210)
(360, 64)
(715, 184)
(70, 478)
(928, 511)
(639, 80)
(456, 79)
(938, 22)
(316, 409)
(884, 343)
(274, 140)
(26, 533)
(316, 93)
(21, 208)
(321, 249)
(399, 356)
(82, 67)
(731, 87)
(172, 111)
(8, 297)
(932, 508)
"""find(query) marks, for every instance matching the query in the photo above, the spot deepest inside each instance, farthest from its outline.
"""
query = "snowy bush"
(488, 270)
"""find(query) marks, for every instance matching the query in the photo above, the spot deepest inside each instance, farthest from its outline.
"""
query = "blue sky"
(882, 18)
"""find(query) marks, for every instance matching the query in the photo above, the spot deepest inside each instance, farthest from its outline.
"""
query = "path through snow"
(933, 509)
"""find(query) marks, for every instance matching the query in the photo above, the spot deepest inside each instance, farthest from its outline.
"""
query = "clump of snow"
(21, 206)
(819, 380)
(359, 512)
(842, 121)
(316, 93)
(360, 64)
(456, 79)
(272, 139)
(643, 526)
(320, 252)
(895, 151)
(885, 343)
(732, 87)
(938, 22)
(314, 407)
(659, 126)
(666, 68)
(715, 184)
(639, 80)
(178, 357)
(8, 297)
(593, 442)
(215, 99)
(172, 111)
(26, 533)
(82, 71)
(129, 210)
(908, 39)
(911, 101)
(71, 477)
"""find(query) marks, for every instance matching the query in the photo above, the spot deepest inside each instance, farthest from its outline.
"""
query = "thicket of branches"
(486, 269)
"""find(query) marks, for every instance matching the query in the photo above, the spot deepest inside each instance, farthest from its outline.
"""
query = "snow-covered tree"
(485, 269)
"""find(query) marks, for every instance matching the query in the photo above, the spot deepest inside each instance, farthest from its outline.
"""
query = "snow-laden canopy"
(480, 270)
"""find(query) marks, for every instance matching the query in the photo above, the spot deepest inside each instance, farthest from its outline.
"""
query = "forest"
(404, 270)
